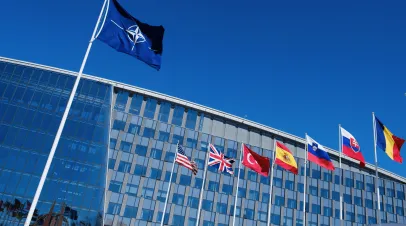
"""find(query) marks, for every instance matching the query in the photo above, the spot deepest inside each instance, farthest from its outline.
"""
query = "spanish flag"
(388, 142)
(284, 158)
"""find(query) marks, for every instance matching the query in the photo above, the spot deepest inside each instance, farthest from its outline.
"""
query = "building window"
(191, 119)
(115, 186)
(227, 189)
(221, 208)
(207, 205)
(164, 112)
(130, 211)
(135, 106)
(125, 146)
(347, 198)
(121, 100)
(249, 214)
(178, 135)
(140, 170)
(147, 214)
(124, 167)
(177, 199)
(327, 211)
(213, 186)
(357, 201)
(191, 140)
(289, 185)
(336, 196)
(292, 203)
(185, 180)
(253, 195)
(193, 202)
(114, 208)
(155, 173)
(279, 201)
(150, 107)
(118, 125)
(164, 132)
(149, 130)
(178, 115)
(324, 193)
(313, 190)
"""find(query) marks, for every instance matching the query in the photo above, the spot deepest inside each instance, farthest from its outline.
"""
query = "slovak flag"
(350, 147)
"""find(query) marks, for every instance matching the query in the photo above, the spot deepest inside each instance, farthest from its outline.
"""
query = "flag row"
(284, 158)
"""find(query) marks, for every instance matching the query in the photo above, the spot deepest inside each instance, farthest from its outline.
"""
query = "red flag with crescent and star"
(255, 162)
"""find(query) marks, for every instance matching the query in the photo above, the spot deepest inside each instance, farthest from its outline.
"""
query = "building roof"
(201, 108)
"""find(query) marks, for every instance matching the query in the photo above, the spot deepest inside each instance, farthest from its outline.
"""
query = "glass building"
(113, 163)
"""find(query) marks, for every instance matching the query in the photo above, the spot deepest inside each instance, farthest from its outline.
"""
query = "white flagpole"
(238, 183)
(202, 189)
(376, 172)
(61, 126)
(341, 173)
(169, 186)
(271, 185)
(304, 190)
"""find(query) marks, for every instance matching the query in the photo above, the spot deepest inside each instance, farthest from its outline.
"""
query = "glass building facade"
(114, 161)
(32, 101)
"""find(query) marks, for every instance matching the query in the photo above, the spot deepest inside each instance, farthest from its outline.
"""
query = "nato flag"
(126, 34)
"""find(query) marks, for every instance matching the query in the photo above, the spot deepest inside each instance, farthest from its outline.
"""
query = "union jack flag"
(225, 163)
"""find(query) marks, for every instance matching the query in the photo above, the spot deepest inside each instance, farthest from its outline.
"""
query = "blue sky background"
(297, 66)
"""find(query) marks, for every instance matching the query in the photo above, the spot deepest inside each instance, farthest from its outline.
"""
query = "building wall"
(144, 135)
(32, 102)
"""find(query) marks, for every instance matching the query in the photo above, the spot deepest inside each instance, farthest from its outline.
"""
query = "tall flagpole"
(169, 186)
(61, 126)
(376, 172)
(202, 189)
(341, 173)
(238, 183)
(271, 185)
(304, 190)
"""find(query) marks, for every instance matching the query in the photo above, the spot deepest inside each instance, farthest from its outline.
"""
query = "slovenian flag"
(350, 147)
(317, 153)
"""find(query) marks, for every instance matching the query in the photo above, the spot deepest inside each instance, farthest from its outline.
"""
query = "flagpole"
(238, 183)
(304, 189)
(376, 172)
(341, 173)
(62, 124)
(169, 186)
(271, 185)
(202, 189)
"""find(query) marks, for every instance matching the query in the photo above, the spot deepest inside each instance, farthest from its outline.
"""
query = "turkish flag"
(258, 163)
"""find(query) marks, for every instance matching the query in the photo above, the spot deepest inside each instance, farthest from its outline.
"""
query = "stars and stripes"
(225, 163)
(183, 160)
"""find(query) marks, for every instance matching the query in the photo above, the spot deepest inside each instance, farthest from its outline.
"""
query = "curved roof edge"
(199, 108)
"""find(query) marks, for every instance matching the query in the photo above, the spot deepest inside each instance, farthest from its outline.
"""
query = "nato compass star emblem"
(135, 35)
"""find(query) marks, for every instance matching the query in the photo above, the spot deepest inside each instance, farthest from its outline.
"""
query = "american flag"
(183, 160)
(225, 163)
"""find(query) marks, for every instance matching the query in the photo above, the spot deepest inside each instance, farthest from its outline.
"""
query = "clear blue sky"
(297, 66)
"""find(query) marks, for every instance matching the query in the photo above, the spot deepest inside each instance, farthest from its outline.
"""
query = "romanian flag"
(284, 158)
(388, 142)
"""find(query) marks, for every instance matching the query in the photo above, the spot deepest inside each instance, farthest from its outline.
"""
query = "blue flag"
(126, 34)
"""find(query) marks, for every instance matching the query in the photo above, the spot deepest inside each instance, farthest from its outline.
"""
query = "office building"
(122, 139)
